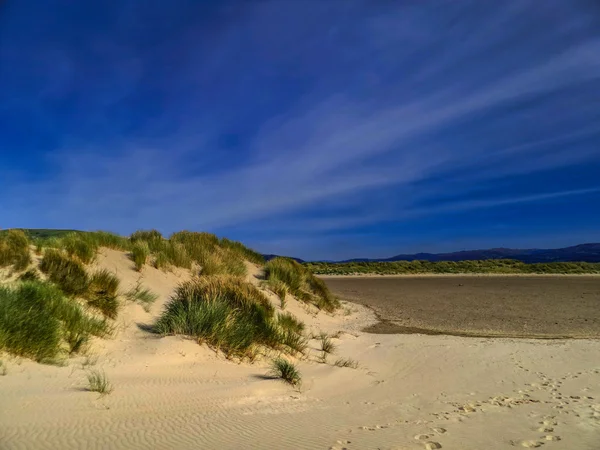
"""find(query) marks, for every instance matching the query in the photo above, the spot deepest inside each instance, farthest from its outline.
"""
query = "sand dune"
(409, 391)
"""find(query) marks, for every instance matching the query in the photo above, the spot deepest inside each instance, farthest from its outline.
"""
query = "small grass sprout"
(98, 382)
(285, 370)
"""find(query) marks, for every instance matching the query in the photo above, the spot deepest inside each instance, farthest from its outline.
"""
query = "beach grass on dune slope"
(228, 314)
(102, 293)
(69, 274)
(300, 282)
(210, 254)
(14, 249)
(39, 322)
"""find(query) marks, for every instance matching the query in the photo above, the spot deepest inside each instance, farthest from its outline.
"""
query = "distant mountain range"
(577, 253)
(582, 252)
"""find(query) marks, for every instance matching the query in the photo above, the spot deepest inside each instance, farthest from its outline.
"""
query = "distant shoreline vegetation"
(490, 266)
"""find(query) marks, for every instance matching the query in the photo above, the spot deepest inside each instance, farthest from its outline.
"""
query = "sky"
(318, 129)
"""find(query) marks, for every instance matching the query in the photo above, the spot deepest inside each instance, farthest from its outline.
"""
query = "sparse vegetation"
(67, 273)
(346, 362)
(36, 319)
(289, 322)
(245, 252)
(300, 283)
(3, 369)
(287, 371)
(210, 254)
(102, 293)
(81, 246)
(139, 254)
(98, 382)
(14, 249)
(499, 266)
(279, 288)
(327, 345)
(227, 313)
(141, 295)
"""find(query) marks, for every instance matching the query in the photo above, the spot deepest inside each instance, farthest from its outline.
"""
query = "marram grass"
(37, 321)
(69, 274)
(229, 314)
(300, 282)
(14, 249)
(286, 370)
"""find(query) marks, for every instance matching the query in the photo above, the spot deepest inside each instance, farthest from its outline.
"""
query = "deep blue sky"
(320, 129)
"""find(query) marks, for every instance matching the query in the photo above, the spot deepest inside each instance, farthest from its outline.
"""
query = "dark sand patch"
(509, 306)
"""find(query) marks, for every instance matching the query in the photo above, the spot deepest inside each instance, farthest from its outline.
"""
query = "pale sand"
(409, 392)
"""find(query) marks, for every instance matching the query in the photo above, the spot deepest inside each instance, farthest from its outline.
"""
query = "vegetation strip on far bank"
(491, 266)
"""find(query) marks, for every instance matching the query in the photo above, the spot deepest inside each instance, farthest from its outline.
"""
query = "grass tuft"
(139, 254)
(67, 273)
(287, 371)
(98, 382)
(80, 246)
(346, 362)
(102, 293)
(289, 322)
(300, 282)
(279, 288)
(245, 252)
(213, 256)
(141, 295)
(228, 314)
(37, 321)
(14, 249)
(327, 345)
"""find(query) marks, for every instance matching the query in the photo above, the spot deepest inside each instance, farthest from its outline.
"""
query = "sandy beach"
(409, 391)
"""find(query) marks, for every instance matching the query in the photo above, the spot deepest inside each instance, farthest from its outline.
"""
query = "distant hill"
(577, 253)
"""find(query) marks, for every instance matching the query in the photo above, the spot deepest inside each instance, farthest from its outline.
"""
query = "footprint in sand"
(531, 444)
(340, 445)
(432, 445)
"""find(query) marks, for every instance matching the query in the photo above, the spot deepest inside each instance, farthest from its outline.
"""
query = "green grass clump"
(300, 282)
(141, 295)
(289, 322)
(98, 382)
(153, 238)
(279, 288)
(226, 312)
(38, 321)
(213, 257)
(287, 371)
(327, 345)
(243, 251)
(109, 240)
(102, 293)
(67, 273)
(172, 254)
(14, 249)
(139, 254)
(81, 246)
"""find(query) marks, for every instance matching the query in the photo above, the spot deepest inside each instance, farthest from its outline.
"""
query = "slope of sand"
(409, 391)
